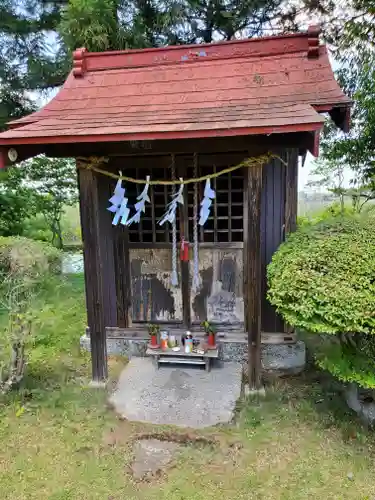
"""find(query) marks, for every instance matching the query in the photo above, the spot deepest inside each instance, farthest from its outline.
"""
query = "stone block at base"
(284, 359)
(128, 347)
(361, 401)
(277, 359)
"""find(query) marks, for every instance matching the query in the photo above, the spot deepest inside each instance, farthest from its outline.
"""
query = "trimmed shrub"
(322, 280)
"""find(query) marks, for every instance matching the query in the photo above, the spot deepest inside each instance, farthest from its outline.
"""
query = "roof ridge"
(307, 41)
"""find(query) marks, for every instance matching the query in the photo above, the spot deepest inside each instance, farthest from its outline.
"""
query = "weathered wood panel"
(106, 235)
(99, 267)
(183, 216)
(153, 297)
(123, 278)
(220, 297)
(255, 144)
(272, 232)
(291, 201)
(253, 270)
(291, 192)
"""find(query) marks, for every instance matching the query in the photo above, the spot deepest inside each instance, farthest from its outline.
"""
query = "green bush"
(36, 228)
(325, 214)
(322, 280)
(348, 362)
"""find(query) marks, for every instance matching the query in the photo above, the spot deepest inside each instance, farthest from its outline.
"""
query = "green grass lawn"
(59, 441)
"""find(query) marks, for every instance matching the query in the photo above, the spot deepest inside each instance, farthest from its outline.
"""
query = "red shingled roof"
(258, 86)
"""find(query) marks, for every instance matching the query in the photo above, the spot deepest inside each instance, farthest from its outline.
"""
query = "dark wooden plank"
(272, 231)
(201, 187)
(253, 275)
(139, 188)
(257, 144)
(230, 192)
(291, 192)
(123, 277)
(245, 250)
(153, 218)
(291, 202)
(93, 263)
(105, 190)
(215, 203)
(185, 266)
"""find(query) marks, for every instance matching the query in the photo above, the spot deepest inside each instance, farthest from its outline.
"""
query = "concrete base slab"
(277, 359)
(186, 397)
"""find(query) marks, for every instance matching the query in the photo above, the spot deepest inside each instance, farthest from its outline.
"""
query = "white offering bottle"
(188, 343)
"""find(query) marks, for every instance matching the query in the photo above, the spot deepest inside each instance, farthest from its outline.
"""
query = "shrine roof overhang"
(261, 86)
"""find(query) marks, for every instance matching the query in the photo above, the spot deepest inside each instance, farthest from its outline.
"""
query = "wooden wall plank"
(279, 195)
(122, 276)
(253, 274)
(94, 252)
(185, 265)
(105, 189)
(291, 192)
(291, 203)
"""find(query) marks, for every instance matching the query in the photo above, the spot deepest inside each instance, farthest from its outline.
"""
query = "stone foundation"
(361, 401)
(278, 359)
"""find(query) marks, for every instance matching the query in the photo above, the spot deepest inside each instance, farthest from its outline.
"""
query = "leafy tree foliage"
(53, 184)
(28, 56)
(16, 203)
(117, 24)
(38, 186)
(356, 149)
(349, 27)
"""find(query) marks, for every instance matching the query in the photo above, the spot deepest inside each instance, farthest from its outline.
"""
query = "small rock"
(351, 476)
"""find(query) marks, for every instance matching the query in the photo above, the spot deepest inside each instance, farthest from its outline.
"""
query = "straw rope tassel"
(174, 277)
(196, 279)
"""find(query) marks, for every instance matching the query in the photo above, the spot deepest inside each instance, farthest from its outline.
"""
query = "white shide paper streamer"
(170, 216)
(140, 206)
(208, 196)
(119, 205)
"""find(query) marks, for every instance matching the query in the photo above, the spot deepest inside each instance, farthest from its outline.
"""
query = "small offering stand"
(187, 351)
(180, 357)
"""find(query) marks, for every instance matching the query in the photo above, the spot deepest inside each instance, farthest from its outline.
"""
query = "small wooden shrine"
(144, 125)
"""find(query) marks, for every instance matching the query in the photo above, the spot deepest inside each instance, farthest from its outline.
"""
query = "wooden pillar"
(99, 266)
(253, 271)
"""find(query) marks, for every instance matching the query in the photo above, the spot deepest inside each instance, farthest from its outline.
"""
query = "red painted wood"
(190, 134)
(184, 54)
(261, 86)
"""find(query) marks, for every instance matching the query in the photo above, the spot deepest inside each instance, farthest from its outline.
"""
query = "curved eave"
(150, 136)
(39, 143)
